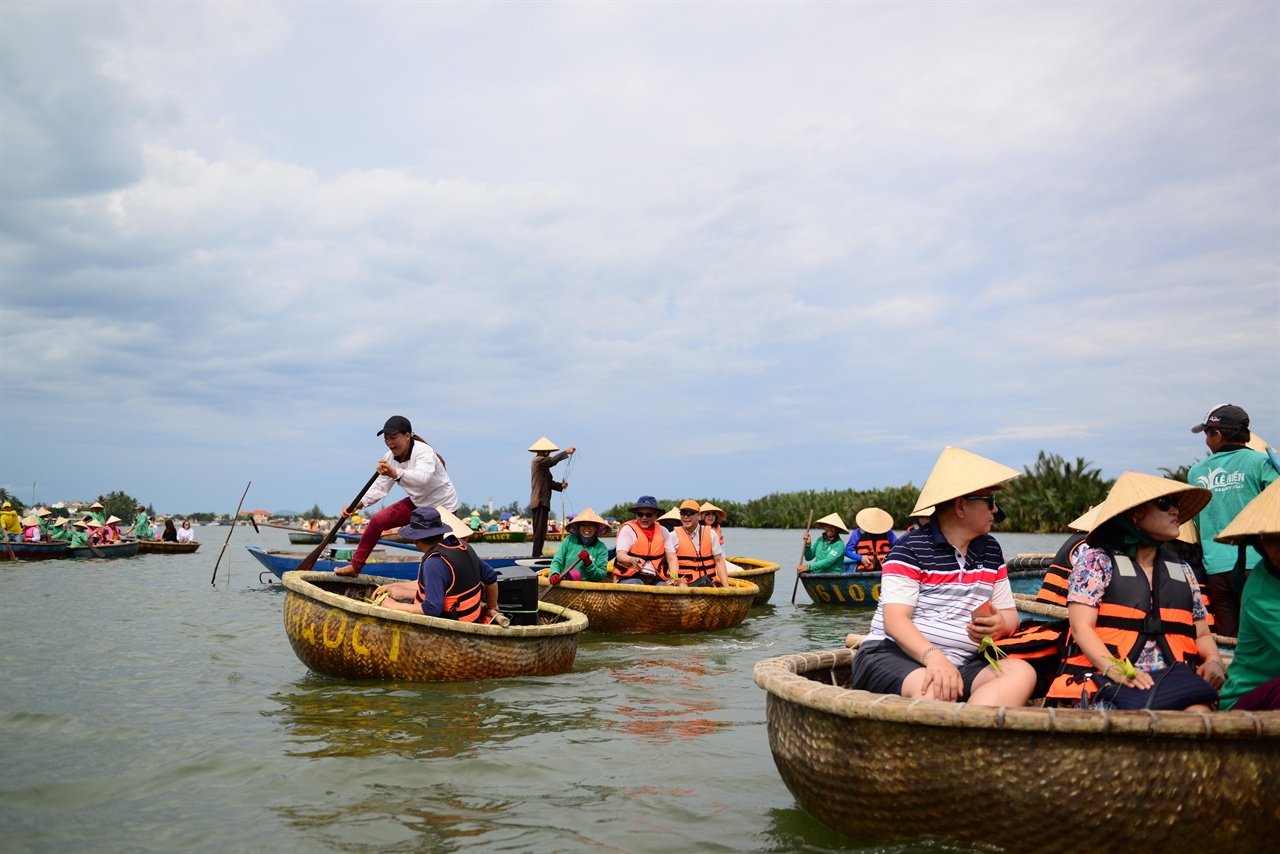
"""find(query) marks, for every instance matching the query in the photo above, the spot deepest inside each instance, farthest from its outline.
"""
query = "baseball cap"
(1226, 417)
(396, 424)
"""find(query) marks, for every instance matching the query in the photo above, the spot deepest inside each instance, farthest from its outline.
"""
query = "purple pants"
(388, 517)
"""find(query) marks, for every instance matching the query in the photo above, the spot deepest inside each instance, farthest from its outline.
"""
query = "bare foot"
(346, 570)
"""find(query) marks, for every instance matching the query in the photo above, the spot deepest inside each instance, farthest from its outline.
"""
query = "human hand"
(564, 484)
(385, 469)
(571, 451)
(1141, 679)
(807, 540)
(943, 676)
(984, 625)
(1212, 672)
(865, 561)
(585, 557)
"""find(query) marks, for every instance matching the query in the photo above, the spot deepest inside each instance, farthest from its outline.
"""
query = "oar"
(12, 556)
(796, 586)
(230, 532)
(550, 586)
(310, 560)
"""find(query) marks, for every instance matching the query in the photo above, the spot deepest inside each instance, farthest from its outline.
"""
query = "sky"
(724, 249)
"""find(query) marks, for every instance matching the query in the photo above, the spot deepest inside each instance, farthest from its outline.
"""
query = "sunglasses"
(1165, 504)
(646, 515)
(688, 512)
(990, 499)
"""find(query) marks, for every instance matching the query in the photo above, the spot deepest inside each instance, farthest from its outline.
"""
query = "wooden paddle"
(551, 586)
(229, 533)
(800, 566)
(12, 556)
(310, 560)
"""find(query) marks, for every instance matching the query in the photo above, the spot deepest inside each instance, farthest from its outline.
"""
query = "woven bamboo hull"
(758, 572)
(879, 768)
(168, 548)
(305, 538)
(34, 551)
(336, 635)
(627, 609)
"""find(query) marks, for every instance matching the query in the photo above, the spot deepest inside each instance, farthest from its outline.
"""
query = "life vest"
(650, 545)
(1053, 589)
(1130, 614)
(1040, 645)
(874, 546)
(463, 598)
(694, 563)
(32, 534)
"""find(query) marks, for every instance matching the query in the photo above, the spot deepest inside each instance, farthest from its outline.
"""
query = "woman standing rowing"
(413, 464)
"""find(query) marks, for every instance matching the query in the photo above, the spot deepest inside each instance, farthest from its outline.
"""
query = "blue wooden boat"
(401, 565)
(862, 589)
(127, 548)
(34, 551)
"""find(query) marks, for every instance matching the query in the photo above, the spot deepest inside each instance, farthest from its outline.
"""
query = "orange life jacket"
(463, 597)
(874, 546)
(650, 545)
(1053, 590)
(694, 562)
(1131, 613)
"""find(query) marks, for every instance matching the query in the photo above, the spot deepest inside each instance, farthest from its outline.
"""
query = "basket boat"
(622, 609)
(128, 548)
(759, 572)
(305, 538)
(34, 551)
(879, 768)
(400, 565)
(853, 589)
(336, 633)
(166, 548)
(497, 537)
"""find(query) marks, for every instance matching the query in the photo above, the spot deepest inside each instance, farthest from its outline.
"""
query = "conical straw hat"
(1259, 516)
(543, 444)
(28, 521)
(1133, 488)
(587, 515)
(958, 473)
(95, 504)
(833, 519)
(708, 507)
(1084, 521)
(1188, 534)
(113, 519)
(672, 515)
(59, 522)
(43, 511)
(873, 520)
(456, 525)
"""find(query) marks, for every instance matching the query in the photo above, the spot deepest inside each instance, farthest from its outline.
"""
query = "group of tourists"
(94, 528)
(869, 543)
(1137, 633)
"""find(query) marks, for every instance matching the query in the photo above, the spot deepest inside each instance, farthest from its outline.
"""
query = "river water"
(142, 709)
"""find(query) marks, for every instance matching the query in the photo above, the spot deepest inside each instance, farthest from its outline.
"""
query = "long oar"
(232, 531)
(12, 556)
(310, 560)
(550, 586)
(796, 586)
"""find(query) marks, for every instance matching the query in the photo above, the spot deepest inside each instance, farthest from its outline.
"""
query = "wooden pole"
(229, 533)
(796, 586)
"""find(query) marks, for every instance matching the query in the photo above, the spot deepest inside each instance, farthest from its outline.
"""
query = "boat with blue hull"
(400, 565)
(34, 551)
(862, 589)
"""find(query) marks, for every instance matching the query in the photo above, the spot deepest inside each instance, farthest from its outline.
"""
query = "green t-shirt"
(824, 556)
(1236, 478)
(142, 526)
(1257, 657)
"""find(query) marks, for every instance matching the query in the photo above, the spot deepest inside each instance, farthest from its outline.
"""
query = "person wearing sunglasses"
(944, 588)
(1237, 474)
(695, 550)
(642, 546)
(1138, 623)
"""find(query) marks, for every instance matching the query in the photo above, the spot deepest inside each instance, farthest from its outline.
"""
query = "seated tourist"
(453, 582)
(1253, 683)
(670, 520)
(31, 529)
(712, 517)
(827, 553)
(871, 540)
(185, 534)
(642, 546)
(945, 589)
(1137, 620)
(695, 551)
(581, 555)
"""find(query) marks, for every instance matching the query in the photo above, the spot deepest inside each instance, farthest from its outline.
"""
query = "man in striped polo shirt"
(943, 590)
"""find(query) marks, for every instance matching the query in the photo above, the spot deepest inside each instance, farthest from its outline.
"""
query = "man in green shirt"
(141, 527)
(827, 553)
(1237, 475)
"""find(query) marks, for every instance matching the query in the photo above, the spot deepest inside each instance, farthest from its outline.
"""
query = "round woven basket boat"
(758, 572)
(621, 609)
(336, 633)
(878, 768)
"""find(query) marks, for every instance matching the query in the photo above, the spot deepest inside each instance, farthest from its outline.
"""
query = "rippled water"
(142, 709)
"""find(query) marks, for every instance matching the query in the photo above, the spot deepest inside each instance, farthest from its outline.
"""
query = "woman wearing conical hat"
(712, 516)
(581, 555)
(1254, 681)
(826, 554)
(871, 540)
(1137, 619)
(943, 590)
(31, 529)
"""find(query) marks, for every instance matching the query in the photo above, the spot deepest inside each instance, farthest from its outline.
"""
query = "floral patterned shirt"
(1090, 575)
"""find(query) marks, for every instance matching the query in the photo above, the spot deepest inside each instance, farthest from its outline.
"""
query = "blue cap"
(646, 502)
(425, 522)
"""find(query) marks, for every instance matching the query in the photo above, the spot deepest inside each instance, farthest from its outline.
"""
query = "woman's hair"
(168, 525)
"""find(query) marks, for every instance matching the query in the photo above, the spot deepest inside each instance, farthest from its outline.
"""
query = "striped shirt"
(944, 587)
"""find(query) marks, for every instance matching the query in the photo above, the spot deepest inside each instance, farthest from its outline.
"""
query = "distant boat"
(851, 589)
(35, 551)
(128, 548)
(618, 609)
(759, 572)
(305, 538)
(166, 547)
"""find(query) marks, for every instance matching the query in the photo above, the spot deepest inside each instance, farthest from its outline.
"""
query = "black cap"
(396, 424)
(1227, 417)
